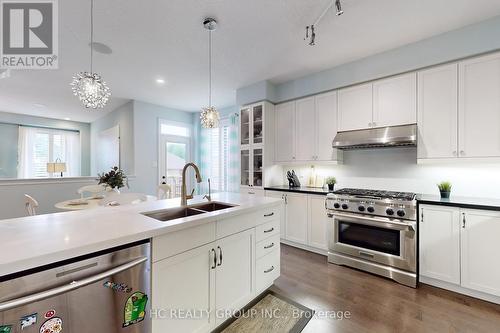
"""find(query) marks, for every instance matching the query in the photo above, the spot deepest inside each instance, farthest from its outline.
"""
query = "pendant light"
(89, 87)
(209, 115)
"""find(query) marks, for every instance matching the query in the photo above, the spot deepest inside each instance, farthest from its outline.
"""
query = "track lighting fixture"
(338, 5)
(310, 29)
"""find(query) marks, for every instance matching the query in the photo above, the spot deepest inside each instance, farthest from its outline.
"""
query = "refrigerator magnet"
(135, 309)
(27, 321)
(53, 325)
(5, 328)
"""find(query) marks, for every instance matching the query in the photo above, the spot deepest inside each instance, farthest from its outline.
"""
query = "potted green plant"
(331, 181)
(444, 189)
(114, 179)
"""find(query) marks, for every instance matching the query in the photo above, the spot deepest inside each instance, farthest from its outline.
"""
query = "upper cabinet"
(438, 112)
(459, 110)
(257, 146)
(386, 102)
(355, 107)
(285, 124)
(479, 107)
(306, 128)
(395, 101)
(326, 127)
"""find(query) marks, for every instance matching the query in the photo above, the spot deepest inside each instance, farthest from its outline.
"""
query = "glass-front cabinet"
(255, 152)
(252, 125)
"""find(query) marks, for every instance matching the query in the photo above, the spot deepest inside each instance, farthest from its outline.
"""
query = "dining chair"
(164, 192)
(92, 189)
(30, 204)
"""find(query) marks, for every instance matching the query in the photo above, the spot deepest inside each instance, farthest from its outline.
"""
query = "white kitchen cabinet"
(234, 273)
(285, 125)
(438, 112)
(185, 281)
(280, 195)
(395, 100)
(257, 146)
(326, 127)
(317, 234)
(296, 218)
(440, 243)
(355, 107)
(480, 249)
(479, 107)
(305, 127)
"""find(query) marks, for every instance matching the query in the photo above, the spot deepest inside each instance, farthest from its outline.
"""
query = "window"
(39, 146)
(169, 129)
(218, 157)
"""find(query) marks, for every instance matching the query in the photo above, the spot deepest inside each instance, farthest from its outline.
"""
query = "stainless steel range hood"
(392, 136)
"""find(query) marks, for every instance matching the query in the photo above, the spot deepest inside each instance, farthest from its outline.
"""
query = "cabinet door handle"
(269, 230)
(463, 220)
(454, 153)
(269, 246)
(268, 215)
(286, 199)
(215, 259)
(220, 256)
(269, 270)
(462, 152)
(251, 192)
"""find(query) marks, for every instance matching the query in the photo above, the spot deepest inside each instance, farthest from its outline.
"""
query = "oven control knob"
(401, 213)
(389, 211)
(361, 208)
(370, 209)
(344, 206)
(336, 205)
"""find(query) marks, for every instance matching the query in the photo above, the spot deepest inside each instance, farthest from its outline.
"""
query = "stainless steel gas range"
(374, 231)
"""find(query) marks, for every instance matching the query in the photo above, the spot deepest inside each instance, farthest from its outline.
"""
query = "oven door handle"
(382, 222)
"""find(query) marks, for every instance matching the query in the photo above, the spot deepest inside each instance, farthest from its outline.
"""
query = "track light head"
(338, 5)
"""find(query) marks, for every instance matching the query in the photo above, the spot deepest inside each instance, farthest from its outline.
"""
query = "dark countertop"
(463, 202)
(304, 190)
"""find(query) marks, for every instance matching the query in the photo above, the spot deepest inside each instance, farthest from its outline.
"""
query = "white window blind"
(39, 146)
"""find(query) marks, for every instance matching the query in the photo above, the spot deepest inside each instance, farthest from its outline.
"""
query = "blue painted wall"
(9, 139)
(472, 40)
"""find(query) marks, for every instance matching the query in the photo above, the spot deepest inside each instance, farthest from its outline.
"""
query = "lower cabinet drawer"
(267, 270)
(267, 246)
(267, 230)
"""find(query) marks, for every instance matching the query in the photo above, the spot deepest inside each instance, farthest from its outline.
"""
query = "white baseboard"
(459, 289)
(305, 247)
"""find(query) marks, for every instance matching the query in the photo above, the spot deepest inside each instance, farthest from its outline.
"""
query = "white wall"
(46, 191)
(396, 169)
(123, 117)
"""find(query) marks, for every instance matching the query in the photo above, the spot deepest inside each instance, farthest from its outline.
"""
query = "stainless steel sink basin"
(212, 206)
(180, 212)
(174, 213)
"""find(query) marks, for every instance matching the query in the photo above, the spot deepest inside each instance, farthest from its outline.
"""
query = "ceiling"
(256, 40)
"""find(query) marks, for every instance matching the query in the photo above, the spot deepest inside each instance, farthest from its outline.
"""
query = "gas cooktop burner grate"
(406, 196)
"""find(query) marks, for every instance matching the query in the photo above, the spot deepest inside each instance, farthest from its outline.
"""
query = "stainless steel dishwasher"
(106, 292)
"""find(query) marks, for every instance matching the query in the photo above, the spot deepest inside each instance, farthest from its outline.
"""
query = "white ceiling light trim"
(209, 115)
(89, 87)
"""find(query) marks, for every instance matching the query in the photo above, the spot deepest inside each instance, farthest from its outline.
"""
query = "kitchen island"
(210, 259)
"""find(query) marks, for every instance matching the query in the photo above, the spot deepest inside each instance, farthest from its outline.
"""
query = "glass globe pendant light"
(89, 87)
(209, 115)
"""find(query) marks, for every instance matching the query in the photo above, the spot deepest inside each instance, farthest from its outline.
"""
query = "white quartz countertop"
(31, 242)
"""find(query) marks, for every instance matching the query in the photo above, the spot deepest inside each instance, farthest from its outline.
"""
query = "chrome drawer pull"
(269, 270)
(270, 230)
(268, 215)
(366, 254)
(269, 246)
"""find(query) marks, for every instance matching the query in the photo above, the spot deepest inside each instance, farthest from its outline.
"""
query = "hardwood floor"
(376, 304)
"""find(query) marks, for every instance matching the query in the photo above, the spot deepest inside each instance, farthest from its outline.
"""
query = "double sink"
(192, 210)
